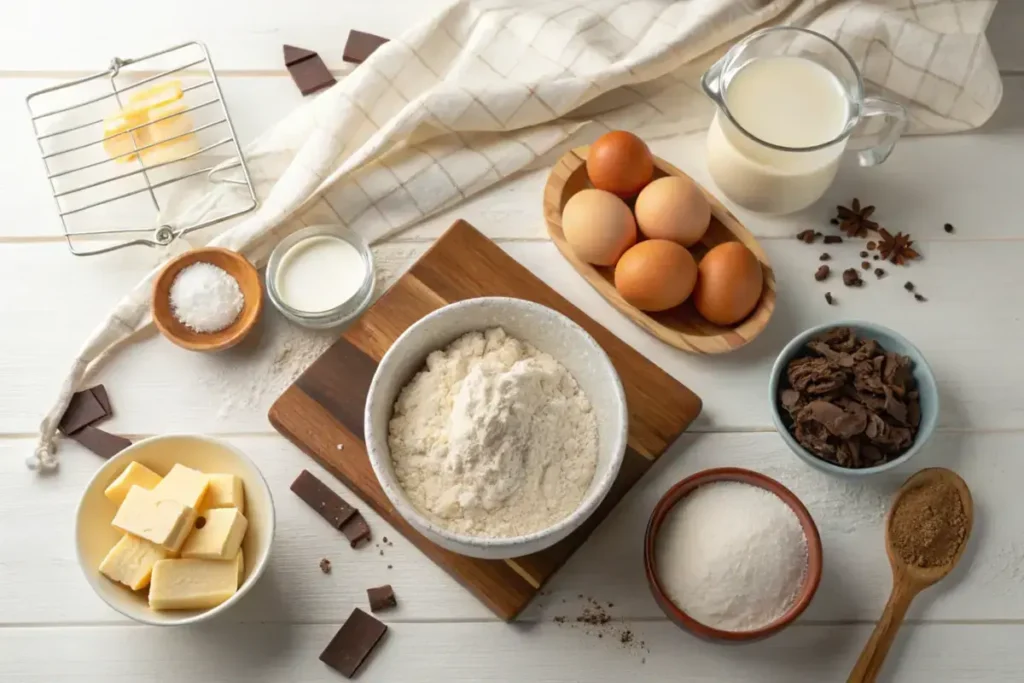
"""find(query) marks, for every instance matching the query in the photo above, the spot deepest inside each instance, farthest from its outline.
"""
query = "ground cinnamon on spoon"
(929, 525)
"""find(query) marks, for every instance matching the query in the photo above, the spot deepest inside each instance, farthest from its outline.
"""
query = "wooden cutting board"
(324, 408)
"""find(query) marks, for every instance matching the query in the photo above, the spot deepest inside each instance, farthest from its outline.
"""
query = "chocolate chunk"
(851, 278)
(920, 297)
(360, 46)
(325, 566)
(103, 444)
(833, 239)
(322, 499)
(879, 273)
(100, 392)
(83, 410)
(356, 530)
(307, 69)
(821, 273)
(829, 299)
(863, 254)
(909, 286)
(381, 598)
(353, 642)
(948, 227)
(871, 246)
(865, 265)
(806, 236)
(824, 257)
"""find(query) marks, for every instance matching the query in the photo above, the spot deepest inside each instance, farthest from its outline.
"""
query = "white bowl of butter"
(171, 564)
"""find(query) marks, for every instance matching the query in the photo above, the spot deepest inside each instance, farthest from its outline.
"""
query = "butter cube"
(225, 491)
(131, 561)
(136, 474)
(240, 564)
(185, 485)
(192, 584)
(117, 142)
(170, 126)
(155, 518)
(155, 96)
(218, 539)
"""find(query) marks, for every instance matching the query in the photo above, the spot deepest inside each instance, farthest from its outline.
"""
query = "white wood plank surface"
(40, 582)
(474, 652)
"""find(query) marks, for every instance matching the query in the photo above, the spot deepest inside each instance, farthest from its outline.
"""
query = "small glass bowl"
(332, 317)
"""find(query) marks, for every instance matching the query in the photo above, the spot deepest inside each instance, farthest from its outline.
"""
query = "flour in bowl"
(494, 438)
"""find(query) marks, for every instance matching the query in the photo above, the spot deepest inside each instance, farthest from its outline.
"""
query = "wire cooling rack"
(109, 202)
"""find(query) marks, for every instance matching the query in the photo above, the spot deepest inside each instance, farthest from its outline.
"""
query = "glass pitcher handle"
(892, 120)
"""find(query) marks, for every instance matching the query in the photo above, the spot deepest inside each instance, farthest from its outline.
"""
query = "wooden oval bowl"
(684, 488)
(240, 269)
(682, 326)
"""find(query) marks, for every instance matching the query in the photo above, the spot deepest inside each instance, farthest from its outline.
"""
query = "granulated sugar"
(250, 376)
(732, 556)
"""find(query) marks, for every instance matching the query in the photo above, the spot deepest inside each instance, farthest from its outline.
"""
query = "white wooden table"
(53, 628)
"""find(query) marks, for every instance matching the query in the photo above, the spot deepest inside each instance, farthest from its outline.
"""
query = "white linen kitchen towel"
(485, 87)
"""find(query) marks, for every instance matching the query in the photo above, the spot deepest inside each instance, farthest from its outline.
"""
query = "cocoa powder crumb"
(325, 566)
(928, 524)
(829, 298)
(824, 257)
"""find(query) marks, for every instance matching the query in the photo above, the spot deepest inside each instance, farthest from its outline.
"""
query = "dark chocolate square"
(311, 75)
(381, 598)
(83, 410)
(322, 499)
(353, 642)
(103, 444)
(360, 46)
(100, 392)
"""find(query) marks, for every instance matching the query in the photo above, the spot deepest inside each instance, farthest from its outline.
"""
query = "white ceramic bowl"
(545, 329)
(94, 536)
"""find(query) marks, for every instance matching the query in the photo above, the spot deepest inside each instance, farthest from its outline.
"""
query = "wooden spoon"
(907, 579)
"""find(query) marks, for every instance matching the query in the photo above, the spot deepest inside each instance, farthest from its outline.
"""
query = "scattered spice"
(829, 299)
(851, 278)
(875, 257)
(833, 221)
(325, 566)
(833, 239)
(920, 297)
(928, 524)
(879, 273)
(871, 246)
(909, 286)
(897, 248)
(824, 257)
(821, 273)
(863, 254)
(865, 265)
(389, 566)
(854, 220)
(807, 236)
(200, 522)
(948, 227)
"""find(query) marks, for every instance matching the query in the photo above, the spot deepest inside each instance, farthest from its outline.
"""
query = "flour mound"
(494, 438)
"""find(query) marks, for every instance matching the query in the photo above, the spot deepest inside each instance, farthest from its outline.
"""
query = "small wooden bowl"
(682, 327)
(239, 268)
(684, 488)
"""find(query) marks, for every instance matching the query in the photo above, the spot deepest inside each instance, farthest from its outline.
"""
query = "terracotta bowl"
(239, 268)
(681, 490)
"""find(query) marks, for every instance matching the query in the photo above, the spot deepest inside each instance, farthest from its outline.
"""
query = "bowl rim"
(681, 489)
(590, 502)
(923, 374)
(250, 580)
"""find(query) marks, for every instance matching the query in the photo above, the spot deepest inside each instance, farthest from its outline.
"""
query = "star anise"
(897, 248)
(856, 221)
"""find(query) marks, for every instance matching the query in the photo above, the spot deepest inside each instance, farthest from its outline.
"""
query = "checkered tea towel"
(475, 94)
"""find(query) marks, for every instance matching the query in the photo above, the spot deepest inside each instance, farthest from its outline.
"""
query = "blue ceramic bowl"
(890, 341)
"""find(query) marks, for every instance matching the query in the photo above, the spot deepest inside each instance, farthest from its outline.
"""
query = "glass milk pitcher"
(788, 101)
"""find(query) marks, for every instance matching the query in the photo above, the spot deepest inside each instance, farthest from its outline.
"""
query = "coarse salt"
(732, 556)
(205, 298)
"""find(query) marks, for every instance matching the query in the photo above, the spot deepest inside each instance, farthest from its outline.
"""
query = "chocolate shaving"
(849, 401)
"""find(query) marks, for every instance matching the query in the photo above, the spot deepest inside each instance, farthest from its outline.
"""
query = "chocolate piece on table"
(353, 642)
(833, 239)
(325, 566)
(356, 530)
(322, 499)
(100, 392)
(381, 598)
(360, 46)
(307, 69)
(103, 444)
(83, 410)
(821, 273)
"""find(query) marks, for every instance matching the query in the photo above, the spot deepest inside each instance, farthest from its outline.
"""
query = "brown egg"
(598, 226)
(729, 285)
(656, 275)
(673, 208)
(620, 163)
